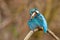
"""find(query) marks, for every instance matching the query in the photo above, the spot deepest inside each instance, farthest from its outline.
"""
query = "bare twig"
(52, 34)
(30, 34)
(49, 31)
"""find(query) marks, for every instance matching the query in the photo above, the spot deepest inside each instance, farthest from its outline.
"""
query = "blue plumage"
(37, 21)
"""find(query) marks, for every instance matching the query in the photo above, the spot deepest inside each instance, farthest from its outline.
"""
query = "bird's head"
(33, 10)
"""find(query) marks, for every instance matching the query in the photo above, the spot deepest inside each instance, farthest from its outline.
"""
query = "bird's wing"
(43, 22)
(32, 25)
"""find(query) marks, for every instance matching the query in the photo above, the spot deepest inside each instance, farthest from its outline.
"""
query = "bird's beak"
(33, 14)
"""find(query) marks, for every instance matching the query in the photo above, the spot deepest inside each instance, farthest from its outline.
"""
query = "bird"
(37, 21)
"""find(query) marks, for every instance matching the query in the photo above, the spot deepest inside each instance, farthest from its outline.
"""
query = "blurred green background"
(14, 15)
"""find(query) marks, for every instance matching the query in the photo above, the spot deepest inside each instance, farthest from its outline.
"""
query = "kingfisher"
(37, 20)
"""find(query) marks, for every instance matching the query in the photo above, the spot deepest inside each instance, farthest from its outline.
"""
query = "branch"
(49, 31)
(30, 34)
(53, 35)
